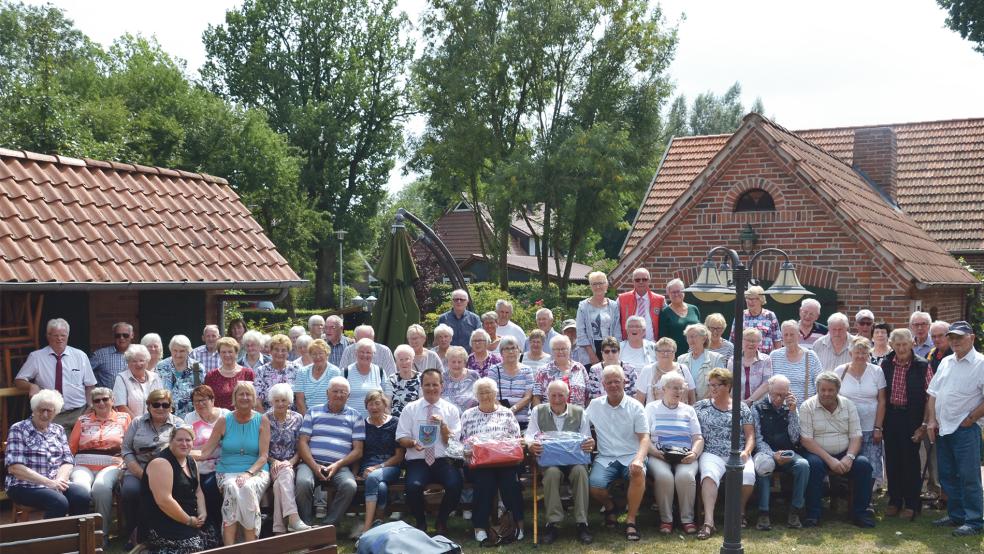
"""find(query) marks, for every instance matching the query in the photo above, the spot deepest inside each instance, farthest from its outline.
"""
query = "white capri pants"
(713, 467)
(242, 504)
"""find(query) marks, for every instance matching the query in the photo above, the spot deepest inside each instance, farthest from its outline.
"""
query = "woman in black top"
(172, 506)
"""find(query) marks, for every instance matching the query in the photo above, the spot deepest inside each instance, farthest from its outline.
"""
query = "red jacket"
(627, 309)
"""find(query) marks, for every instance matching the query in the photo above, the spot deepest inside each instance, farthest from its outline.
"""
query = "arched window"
(755, 200)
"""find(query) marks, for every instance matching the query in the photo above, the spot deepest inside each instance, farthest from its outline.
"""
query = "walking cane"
(536, 542)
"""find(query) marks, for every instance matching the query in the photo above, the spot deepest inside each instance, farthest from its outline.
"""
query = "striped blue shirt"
(331, 434)
(672, 427)
(796, 372)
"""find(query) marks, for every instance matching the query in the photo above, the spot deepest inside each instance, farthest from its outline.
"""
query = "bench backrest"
(320, 540)
(82, 534)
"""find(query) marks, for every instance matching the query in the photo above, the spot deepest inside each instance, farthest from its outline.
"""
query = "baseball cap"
(568, 324)
(960, 328)
(864, 314)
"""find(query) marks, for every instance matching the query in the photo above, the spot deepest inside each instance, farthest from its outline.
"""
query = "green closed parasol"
(397, 307)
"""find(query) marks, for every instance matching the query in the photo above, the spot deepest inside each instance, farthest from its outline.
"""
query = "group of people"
(195, 443)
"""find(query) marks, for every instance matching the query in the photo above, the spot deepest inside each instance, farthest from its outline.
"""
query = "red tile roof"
(89, 222)
(890, 232)
(940, 178)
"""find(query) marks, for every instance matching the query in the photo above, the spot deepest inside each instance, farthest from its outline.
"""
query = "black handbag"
(674, 454)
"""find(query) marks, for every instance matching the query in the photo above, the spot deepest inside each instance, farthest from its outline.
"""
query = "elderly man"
(954, 410)
(504, 325)
(623, 444)
(579, 355)
(331, 439)
(208, 353)
(558, 415)
(316, 326)
(544, 322)
(864, 323)
(830, 432)
(778, 424)
(919, 323)
(833, 348)
(642, 302)
(941, 344)
(62, 368)
(461, 320)
(382, 356)
(426, 425)
(809, 329)
(927, 454)
(107, 362)
(336, 340)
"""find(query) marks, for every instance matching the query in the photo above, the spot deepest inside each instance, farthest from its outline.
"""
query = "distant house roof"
(940, 179)
(67, 222)
(887, 231)
(529, 264)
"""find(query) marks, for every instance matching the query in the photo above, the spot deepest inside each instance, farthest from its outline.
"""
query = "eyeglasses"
(609, 351)
(715, 328)
(919, 324)
(599, 284)
(166, 405)
(865, 323)
(201, 399)
(641, 279)
(459, 300)
(122, 335)
(716, 385)
(101, 400)
(666, 351)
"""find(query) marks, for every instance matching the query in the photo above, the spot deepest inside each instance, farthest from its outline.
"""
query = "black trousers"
(902, 459)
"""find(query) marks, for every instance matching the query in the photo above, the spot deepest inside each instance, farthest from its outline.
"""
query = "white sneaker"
(519, 534)
(300, 526)
(480, 535)
(321, 512)
(466, 514)
(396, 516)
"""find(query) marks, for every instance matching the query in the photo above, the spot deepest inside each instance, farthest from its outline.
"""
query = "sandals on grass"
(706, 532)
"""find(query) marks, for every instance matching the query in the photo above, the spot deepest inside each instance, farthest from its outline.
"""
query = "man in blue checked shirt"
(108, 362)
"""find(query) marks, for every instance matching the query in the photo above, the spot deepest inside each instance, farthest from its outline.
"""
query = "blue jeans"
(800, 468)
(419, 475)
(377, 485)
(73, 501)
(601, 475)
(861, 480)
(958, 455)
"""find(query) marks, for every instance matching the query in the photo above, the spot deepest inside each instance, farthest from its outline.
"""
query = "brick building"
(829, 198)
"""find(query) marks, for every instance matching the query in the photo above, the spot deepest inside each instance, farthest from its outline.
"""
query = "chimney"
(876, 156)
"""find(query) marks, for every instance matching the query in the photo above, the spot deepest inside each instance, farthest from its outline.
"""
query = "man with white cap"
(864, 323)
(577, 354)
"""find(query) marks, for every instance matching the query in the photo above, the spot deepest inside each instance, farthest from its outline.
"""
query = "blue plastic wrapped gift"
(562, 449)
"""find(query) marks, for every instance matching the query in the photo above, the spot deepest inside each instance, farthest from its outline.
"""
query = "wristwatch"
(851, 456)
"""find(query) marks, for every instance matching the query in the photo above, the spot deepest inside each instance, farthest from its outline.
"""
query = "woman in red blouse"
(223, 379)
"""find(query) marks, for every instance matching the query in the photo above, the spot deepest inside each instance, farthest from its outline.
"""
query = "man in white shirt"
(383, 356)
(953, 410)
(833, 348)
(426, 425)
(504, 324)
(623, 444)
(59, 367)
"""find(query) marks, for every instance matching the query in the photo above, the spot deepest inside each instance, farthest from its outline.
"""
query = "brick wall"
(875, 154)
(107, 308)
(944, 304)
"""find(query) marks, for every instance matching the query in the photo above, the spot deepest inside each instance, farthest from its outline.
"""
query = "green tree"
(330, 76)
(967, 18)
(709, 114)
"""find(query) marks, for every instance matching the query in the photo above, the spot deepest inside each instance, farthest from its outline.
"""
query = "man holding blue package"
(549, 424)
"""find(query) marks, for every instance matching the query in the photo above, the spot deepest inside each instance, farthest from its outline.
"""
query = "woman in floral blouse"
(285, 428)
(406, 381)
(277, 371)
(481, 360)
(181, 375)
(458, 380)
(564, 369)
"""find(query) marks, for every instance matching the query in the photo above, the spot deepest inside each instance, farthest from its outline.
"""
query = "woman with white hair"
(564, 368)
(285, 430)
(490, 326)
(800, 365)
(364, 376)
(597, 318)
(133, 385)
(294, 333)
(181, 375)
(405, 383)
(39, 461)
(677, 315)
(251, 353)
(716, 324)
(443, 334)
(536, 356)
(459, 380)
(756, 316)
(422, 358)
(154, 345)
(756, 367)
(698, 359)
(277, 370)
(482, 359)
(491, 417)
(301, 345)
(636, 350)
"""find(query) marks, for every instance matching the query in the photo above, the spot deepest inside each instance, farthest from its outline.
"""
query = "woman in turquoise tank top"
(243, 436)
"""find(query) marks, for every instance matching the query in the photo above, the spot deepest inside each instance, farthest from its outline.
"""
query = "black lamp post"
(721, 284)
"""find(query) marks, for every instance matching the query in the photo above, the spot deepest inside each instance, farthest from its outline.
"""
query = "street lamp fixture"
(367, 304)
(724, 284)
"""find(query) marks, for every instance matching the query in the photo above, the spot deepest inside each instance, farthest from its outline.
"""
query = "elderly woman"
(252, 355)
(134, 384)
(155, 347)
(756, 316)
(39, 462)
(146, 436)
(756, 367)
(611, 355)
(180, 374)
(716, 324)
(673, 423)
(285, 430)
(382, 456)
(459, 380)
(364, 376)
(294, 333)
(864, 384)
(481, 358)
(442, 341)
(490, 326)
(677, 316)
(172, 506)
(649, 386)
(536, 357)
(597, 318)
(405, 383)
(236, 329)
(277, 370)
(514, 381)
(243, 439)
(224, 378)
(798, 364)
(879, 338)
(698, 359)
(301, 345)
(490, 417)
(908, 377)
(564, 368)
(422, 358)
(311, 382)
(636, 351)
(202, 420)
(714, 414)
(96, 442)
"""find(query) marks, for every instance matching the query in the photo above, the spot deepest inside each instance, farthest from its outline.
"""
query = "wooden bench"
(320, 540)
(82, 534)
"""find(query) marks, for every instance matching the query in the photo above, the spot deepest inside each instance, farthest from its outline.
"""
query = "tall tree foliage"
(967, 18)
(709, 114)
(331, 76)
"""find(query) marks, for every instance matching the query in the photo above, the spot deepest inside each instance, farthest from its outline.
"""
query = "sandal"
(689, 528)
(705, 532)
(631, 532)
(665, 528)
(611, 517)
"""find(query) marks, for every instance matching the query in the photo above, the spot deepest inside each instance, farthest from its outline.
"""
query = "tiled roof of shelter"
(940, 176)
(91, 223)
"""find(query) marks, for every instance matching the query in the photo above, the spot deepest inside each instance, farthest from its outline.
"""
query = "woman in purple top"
(458, 380)
(481, 359)
(285, 429)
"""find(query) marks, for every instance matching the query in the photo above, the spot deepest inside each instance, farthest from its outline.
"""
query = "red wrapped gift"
(495, 452)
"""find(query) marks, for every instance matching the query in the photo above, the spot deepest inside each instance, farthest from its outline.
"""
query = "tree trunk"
(324, 277)
(503, 252)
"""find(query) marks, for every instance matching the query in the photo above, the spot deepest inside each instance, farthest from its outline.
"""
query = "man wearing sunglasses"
(461, 320)
(108, 362)
(864, 323)
(642, 302)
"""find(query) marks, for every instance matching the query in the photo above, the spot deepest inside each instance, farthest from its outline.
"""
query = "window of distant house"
(755, 200)
(462, 207)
